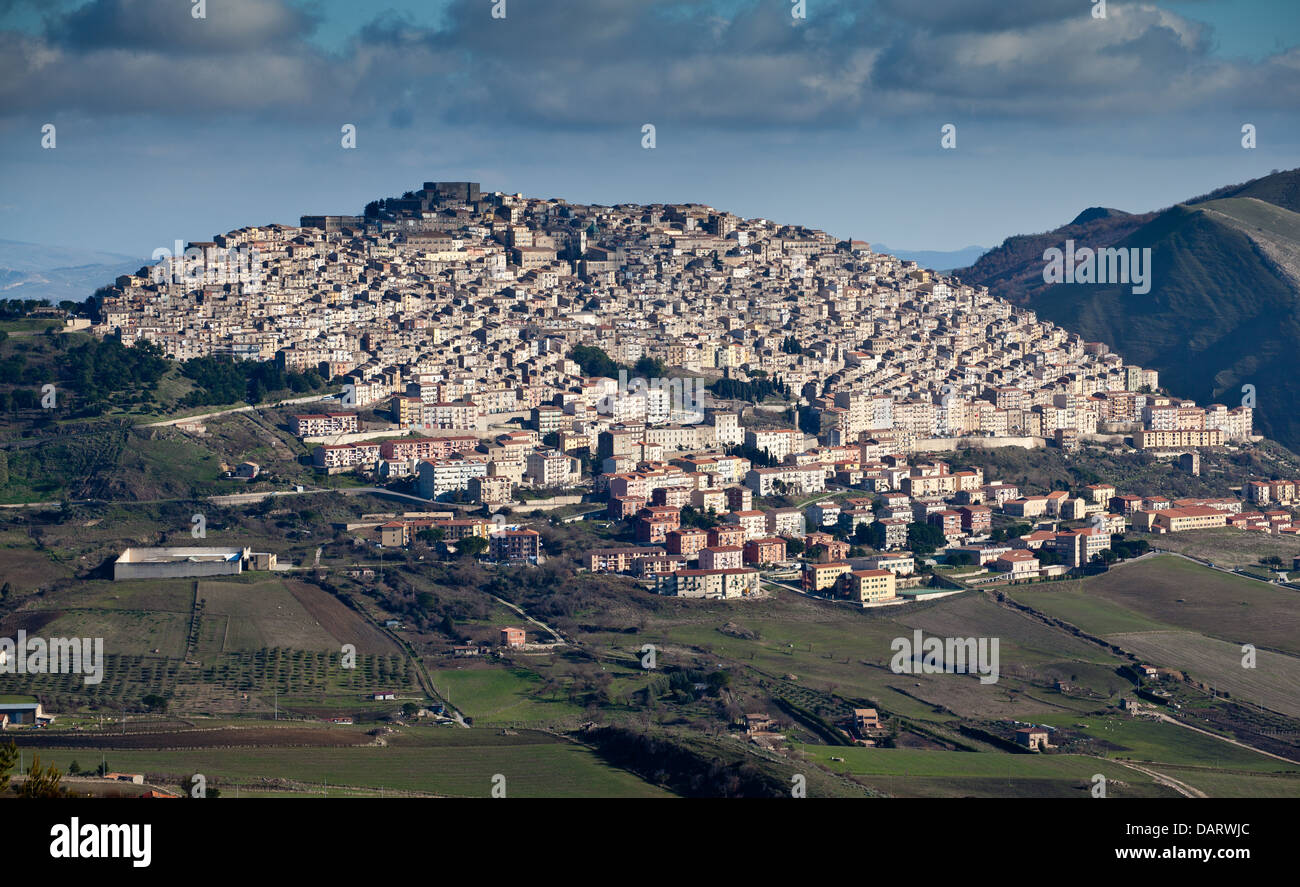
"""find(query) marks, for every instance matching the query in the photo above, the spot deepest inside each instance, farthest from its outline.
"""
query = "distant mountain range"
(37, 271)
(1223, 310)
(935, 260)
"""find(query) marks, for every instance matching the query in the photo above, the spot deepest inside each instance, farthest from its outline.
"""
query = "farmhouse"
(1033, 738)
(865, 720)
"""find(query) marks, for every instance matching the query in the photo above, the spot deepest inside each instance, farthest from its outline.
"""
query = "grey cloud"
(169, 26)
(603, 63)
(949, 16)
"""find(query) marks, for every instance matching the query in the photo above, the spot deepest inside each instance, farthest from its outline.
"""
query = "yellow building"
(819, 577)
(868, 586)
(1176, 520)
(407, 410)
(1176, 440)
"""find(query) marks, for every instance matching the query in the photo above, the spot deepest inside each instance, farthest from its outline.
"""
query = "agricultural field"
(1145, 740)
(417, 760)
(1273, 682)
(233, 645)
(495, 695)
(242, 649)
(1226, 783)
(1093, 614)
(1230, 547)
(847, 652)
(1183, 616)
(912, 773)
(1174, 592)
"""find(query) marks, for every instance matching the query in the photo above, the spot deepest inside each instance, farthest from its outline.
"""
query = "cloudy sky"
(173, 127)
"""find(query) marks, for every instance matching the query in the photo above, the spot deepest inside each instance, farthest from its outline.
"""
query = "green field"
(1273, 682)
(1229, 547)
(446, 761)
(925, 773)
(1069, 602)
(256, 638)
(1236, 784)
(502, 696)
(848, 652)
(1140, 739)
(1171, 591)
(1180, 615)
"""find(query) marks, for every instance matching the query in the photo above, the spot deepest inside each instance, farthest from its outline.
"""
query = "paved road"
(247, 409)
(247, 498)
(555, 634)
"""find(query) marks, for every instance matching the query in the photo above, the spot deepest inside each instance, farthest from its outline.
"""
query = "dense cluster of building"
(451, 305)
(457, 312)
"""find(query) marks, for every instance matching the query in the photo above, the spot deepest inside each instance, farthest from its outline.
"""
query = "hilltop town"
(489, 339)
(477, 303)
(486, 438)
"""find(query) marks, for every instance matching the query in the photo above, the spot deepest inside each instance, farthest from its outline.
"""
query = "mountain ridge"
(1224, 307)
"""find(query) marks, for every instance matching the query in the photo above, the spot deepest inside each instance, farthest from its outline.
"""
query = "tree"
(593, 361)
(431, 535)
(471, 546)
(410, 709)
(650, 368)
(700, 520)
(924, 538)
(8, 759)
(876, 535)
(42, 782)
(154, 702)
(862, 534)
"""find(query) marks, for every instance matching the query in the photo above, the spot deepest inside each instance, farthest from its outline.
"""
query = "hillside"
(1014, 269)
(1224, 306)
